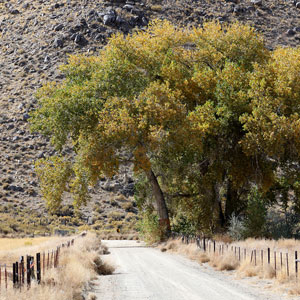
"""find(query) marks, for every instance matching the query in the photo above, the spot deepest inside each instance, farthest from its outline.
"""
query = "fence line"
(255, 256)
(23, 273)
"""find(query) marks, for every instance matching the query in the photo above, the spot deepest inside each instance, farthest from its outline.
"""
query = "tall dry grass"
(248, 258)
(11, 249)
(77, 266)
(8, 244)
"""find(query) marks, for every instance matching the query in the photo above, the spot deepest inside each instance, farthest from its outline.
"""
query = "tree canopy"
(202, 113)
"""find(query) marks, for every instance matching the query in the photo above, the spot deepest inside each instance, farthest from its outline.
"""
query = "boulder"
(59, 27)
(58, 43)
(109, 20)
(256, 2)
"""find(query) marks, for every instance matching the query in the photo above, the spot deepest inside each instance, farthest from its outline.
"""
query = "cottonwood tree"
(181, 104)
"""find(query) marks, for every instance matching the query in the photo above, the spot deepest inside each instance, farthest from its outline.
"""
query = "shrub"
(255, 215)
(236, 229)
(103, 267)
(149, 227)
(182, 225)
(283, 224)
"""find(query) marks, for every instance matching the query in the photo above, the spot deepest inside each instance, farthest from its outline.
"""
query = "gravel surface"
(146, 273)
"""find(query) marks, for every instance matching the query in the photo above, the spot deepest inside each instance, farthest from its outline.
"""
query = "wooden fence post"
(204, 245)
(43, 263)
(5, 276)
(262, 257)
(214, 246)
(296, 263)
(51, 262)
(14, 274)
(268, 255)
(32, 267)
(58, 254)
(17, 273)
(38, 268)
(22, 269)
(20, 273)
(287, 265)
(56, 258)
(28, 271)
(275, 263)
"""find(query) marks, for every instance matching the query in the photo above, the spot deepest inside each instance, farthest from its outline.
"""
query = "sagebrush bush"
(236, 229)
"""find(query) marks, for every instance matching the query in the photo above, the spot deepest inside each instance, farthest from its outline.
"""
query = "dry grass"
(225, 262)
(275, 245)
(78, 265)
(172, 245)
(92, 296)
(248, 270)
(12, 249)
(177, 246)
(103, 267)
(203, 258)
(7, 244)
(241, 258)
(224, 238)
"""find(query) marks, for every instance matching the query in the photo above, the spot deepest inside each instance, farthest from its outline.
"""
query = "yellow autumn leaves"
(178, 95)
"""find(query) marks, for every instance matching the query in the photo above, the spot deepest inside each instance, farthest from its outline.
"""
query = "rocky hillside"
(35, 38)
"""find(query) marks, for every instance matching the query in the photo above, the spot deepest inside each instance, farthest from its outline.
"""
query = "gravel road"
(146, 273)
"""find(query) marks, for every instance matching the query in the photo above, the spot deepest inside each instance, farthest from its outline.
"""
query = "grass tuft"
(92, 296)
(103, 267)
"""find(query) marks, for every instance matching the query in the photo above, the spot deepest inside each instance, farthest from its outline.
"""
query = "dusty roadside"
(147, 273)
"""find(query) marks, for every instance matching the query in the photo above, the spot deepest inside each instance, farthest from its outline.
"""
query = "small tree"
(256, 214)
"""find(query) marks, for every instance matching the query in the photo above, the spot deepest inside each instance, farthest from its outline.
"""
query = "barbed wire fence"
(22, 273)
(282, 261)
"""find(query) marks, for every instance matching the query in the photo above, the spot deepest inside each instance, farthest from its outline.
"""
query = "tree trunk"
(231, 201)
(162, 209)
(221, 217)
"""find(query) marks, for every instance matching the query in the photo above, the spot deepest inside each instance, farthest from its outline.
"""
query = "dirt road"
(146, 273)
